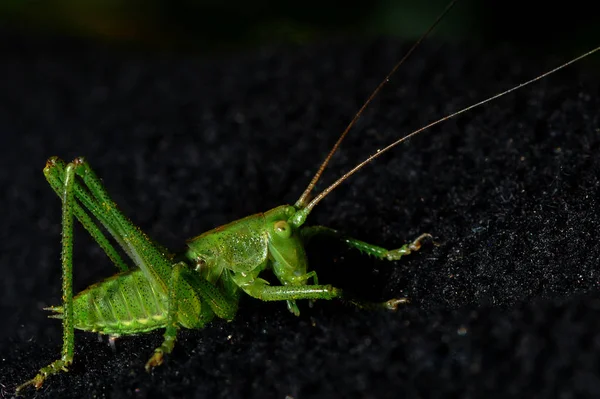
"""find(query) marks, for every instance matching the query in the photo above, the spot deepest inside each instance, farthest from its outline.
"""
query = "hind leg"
(55, 175)
(67, 286)
(84, 197)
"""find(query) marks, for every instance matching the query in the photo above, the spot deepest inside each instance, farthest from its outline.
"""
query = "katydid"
(157, 288)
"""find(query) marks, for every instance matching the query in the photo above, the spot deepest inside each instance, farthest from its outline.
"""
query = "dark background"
(231, 25)
(191, 135)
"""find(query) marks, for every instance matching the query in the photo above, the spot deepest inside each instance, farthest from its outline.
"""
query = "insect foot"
(155, 360)
(406, 249)
(54, 368)
(392, 304)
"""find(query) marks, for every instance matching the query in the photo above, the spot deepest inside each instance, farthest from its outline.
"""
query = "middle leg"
(260, 290)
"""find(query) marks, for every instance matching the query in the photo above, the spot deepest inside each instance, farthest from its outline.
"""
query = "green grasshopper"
(163, 289)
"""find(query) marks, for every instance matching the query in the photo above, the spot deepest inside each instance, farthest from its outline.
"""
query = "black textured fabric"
(506, 305)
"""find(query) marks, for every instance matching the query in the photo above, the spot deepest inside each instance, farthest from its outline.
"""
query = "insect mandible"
(162, 289)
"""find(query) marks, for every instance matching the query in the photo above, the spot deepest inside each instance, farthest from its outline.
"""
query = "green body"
(128, 303)
(157, 288)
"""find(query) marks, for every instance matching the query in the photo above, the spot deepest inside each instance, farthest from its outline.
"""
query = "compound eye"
(282, 229)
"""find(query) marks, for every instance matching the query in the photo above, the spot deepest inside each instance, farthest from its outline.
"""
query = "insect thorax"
(239, 246)
(247, 244)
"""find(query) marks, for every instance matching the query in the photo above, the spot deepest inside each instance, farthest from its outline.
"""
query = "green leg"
(291, 304)
(55, 173)
(223, 307)
(150, 257)
(171, 330)
(67, 286)
(83, 195)
(370, 249)
(145, 253)
(260, 290)
(99, 205)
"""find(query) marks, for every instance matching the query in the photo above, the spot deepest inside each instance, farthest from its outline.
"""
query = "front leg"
(291, 304)
(370, 249)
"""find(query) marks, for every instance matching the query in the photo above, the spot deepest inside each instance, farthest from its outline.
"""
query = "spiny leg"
(153, 259)
(224, 307)
(146, 254)
(370, 249)
(67, 287)
(260, 290)
(100, 207)
(55, 172)
(291, 304)
(171, 329)
(94, 198)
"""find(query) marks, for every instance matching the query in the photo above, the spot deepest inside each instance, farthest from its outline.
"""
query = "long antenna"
(352, 171)
(304, 197)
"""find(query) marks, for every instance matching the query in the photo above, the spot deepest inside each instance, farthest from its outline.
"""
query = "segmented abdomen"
(123, 304)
